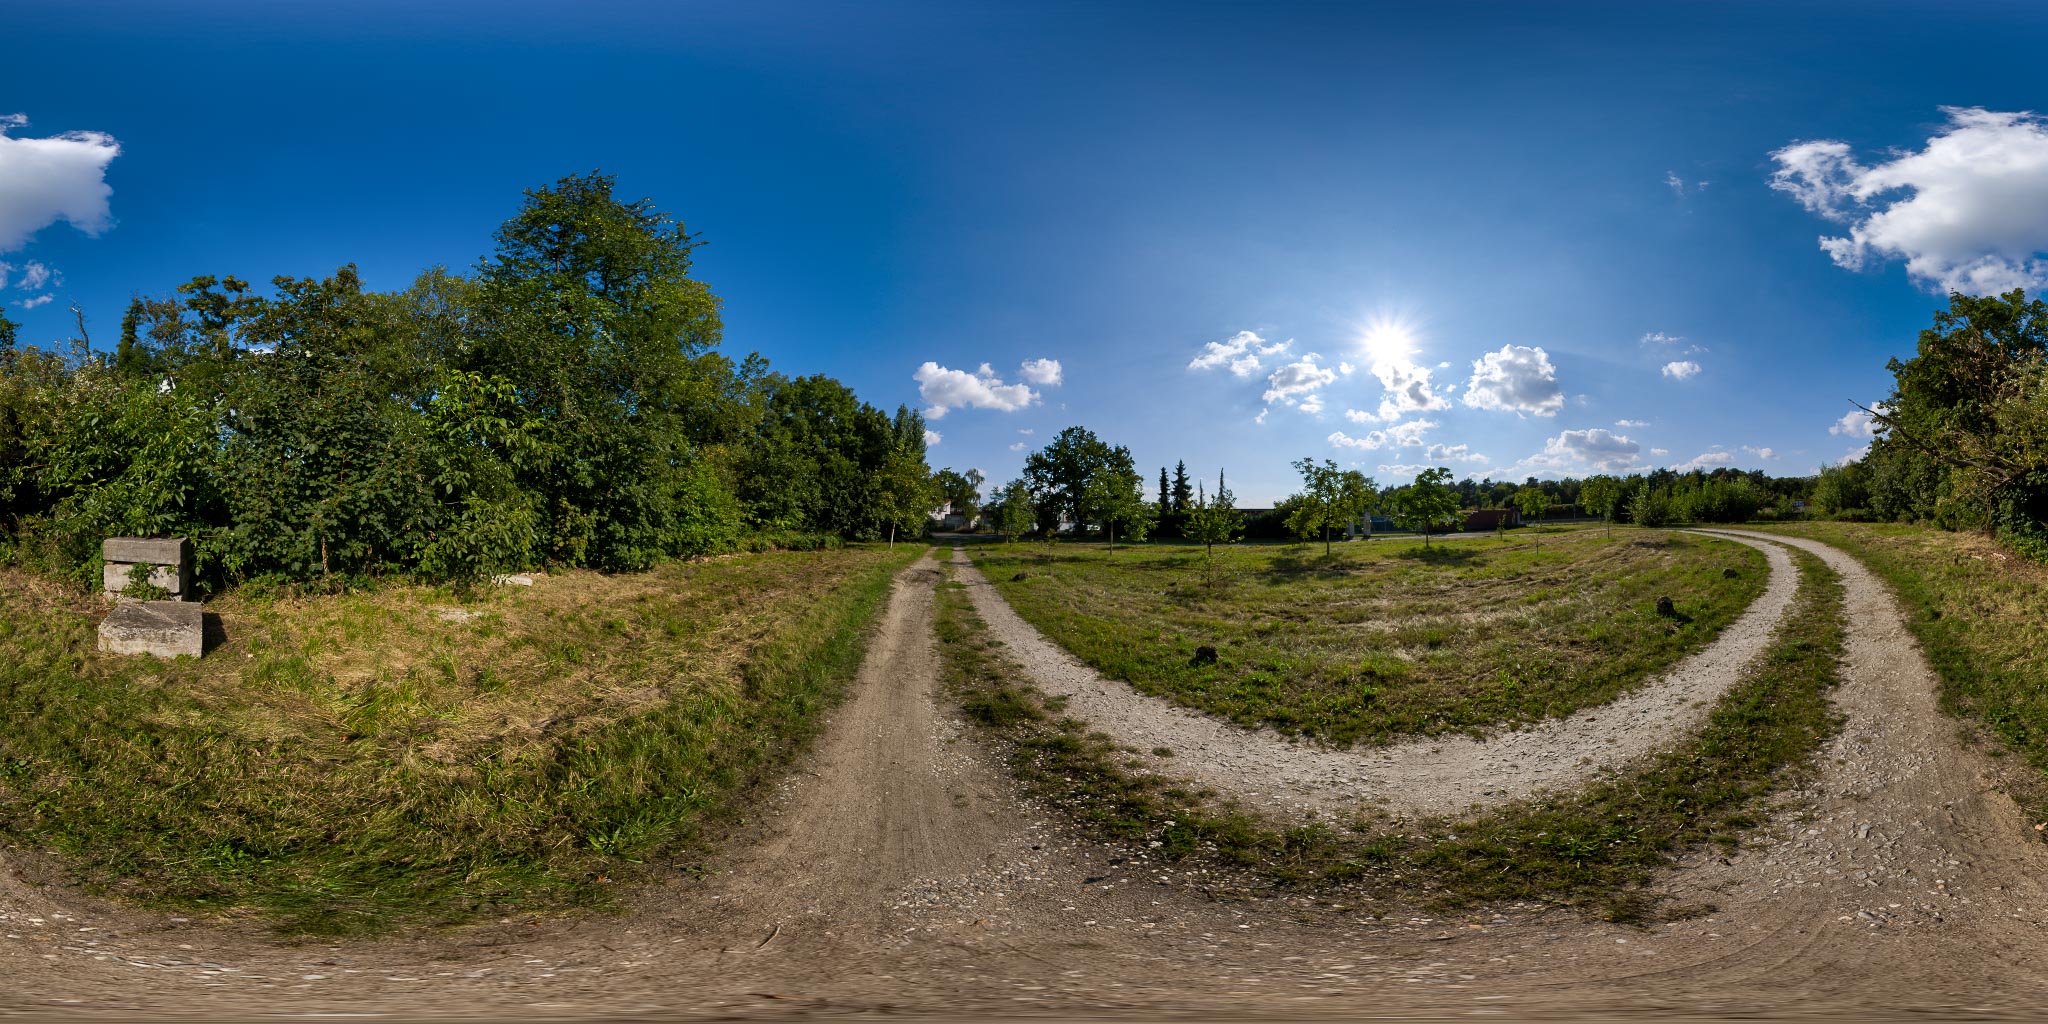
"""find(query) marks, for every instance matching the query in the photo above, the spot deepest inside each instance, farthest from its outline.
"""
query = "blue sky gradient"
(1110, 186)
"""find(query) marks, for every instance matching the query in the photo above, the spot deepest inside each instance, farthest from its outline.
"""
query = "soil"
(1427, 776)
(898, 873)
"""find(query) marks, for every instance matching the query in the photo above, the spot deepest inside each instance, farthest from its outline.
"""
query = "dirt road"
(898, 873)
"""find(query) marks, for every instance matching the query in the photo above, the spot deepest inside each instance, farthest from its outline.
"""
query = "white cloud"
(1026, 431)
(1408, 389)
(1018, 447)
(1681, 369)
(34, 275)
(1968, 212)
(1400, 435)
(1241, 352)
(1857, 423)
(1346, 368)
(1313, 405)
(1761, 453)
(1453, 453)
(37, 301)
(1676, 183)
(1705, 460)
(1626, 424)
(1297, 380)
(1598, 447)
(932, 437)
(944, 390)
(1660, 451)
(1361, 416)
(43, 181)
(1517, 379)
(1043, 372)
(1661, 338)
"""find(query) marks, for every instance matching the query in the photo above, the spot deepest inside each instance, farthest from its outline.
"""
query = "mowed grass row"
(357, 763)
(1593, 850)
(1387, 638)
(1981, 614)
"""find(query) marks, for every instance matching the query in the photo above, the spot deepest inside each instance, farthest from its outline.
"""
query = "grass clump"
(1592, 850)
(1390, 638)
(375, 760)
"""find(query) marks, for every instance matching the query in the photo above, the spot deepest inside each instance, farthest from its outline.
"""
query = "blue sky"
(1508, 198)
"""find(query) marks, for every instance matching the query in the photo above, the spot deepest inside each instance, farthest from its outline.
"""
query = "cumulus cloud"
(1241, 352)
(1043, 372)
(37, 301)
(1626, 424)
(932, 437)
(1661, 338)
(34, 276)
(1361, 416)
(1857, 423)
(1018, 447)
(1660, 451)
(1705, 460)
(1598, 447)
(43, 181)
(1400, 435)
(1761, 453)
(1967, 212)
(1298, 380)
(944, 390)
(1681, 369)
(1408, 389)
(1452, 453)
(1517, 379)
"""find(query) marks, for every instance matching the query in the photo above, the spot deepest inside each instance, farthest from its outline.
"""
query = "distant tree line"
(565, 403)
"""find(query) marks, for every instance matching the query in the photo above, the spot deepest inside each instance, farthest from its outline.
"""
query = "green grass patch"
(1388, 638)
(387, 759)
(1593, 850)
(1980, 613)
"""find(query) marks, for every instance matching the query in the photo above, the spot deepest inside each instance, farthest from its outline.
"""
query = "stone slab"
(154, 551)
(165, 629)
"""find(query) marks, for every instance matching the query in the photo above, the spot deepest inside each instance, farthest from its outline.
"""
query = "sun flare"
(1387, 341)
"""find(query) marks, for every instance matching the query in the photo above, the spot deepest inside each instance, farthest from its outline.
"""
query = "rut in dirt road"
(1424, 776)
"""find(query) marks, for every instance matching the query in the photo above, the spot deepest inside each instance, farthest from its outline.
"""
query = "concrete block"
(169, 559)
(162, 628)
(155, 551)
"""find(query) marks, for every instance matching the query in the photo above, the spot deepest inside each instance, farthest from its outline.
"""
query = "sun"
(1387, 341)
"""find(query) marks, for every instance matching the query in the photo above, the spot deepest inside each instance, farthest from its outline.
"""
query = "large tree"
(1059, 473)
(1183, 492)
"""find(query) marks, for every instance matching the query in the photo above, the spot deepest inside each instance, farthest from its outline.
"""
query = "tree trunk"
(892, 536)
(1326, 540)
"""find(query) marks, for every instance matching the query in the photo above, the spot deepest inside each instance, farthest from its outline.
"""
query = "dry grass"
(357, 761)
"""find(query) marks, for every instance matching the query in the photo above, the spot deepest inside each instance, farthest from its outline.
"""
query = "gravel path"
(1426, 776)
(896, 873)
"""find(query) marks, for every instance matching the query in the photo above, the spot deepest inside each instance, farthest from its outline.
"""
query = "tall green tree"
(1329, 499)
(1183, 493)
(1059, 474)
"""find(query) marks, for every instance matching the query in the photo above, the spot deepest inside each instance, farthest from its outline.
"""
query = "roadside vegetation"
(1980, 612)
(392, 758)
(1388, 638)
(1593, 850)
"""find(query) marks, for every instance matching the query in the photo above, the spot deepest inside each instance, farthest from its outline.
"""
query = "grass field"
(1981, 614)
(355, 763)
(1388, 638)
(1592, 850)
